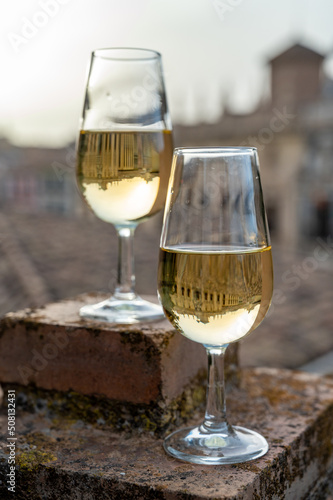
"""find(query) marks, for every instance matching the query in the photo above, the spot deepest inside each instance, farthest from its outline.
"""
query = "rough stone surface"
(69, 459)
(141, 368)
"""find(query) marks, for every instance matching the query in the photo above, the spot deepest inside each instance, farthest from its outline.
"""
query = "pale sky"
(213, 51)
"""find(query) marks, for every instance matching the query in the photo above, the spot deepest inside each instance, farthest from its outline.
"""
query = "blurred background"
(237, 72)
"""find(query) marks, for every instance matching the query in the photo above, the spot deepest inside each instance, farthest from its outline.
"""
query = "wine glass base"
(194, 445)
(126, 312)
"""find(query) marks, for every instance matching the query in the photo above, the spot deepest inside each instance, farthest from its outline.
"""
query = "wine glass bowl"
(215, 281)
(124, 157)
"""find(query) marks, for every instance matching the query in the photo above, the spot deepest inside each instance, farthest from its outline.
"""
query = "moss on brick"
(32, 459)
(67, 408)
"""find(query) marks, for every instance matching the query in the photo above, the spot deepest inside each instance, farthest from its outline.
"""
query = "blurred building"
(293, 132)
(37, 192)
(37, 180)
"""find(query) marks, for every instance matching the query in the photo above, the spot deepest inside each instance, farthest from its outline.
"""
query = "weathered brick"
(68, 459)
(147, 365)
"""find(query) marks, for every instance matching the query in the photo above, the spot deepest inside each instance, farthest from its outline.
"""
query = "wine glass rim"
(119, 54)
(213, 150)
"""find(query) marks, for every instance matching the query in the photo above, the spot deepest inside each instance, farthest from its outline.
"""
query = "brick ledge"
(291, 409)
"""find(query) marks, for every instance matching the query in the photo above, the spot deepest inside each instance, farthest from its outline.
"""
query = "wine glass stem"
(215, 417)
(126, 277)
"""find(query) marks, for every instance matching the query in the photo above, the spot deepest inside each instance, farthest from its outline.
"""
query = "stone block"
(69, 459)
(149, 371)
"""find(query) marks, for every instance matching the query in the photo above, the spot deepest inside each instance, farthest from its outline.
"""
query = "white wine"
(123, 176)
(215, 296)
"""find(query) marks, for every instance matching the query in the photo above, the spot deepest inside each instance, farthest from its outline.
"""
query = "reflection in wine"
(123, 176)
(214, 296)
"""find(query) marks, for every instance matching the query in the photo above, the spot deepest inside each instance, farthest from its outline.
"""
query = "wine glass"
(124, 158)
(215, 281)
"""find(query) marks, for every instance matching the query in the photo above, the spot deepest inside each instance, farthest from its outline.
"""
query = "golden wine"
(216, 296)
(123, 176)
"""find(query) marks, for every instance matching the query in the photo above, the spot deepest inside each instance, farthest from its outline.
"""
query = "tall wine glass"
(215, 281)
(123, 162)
